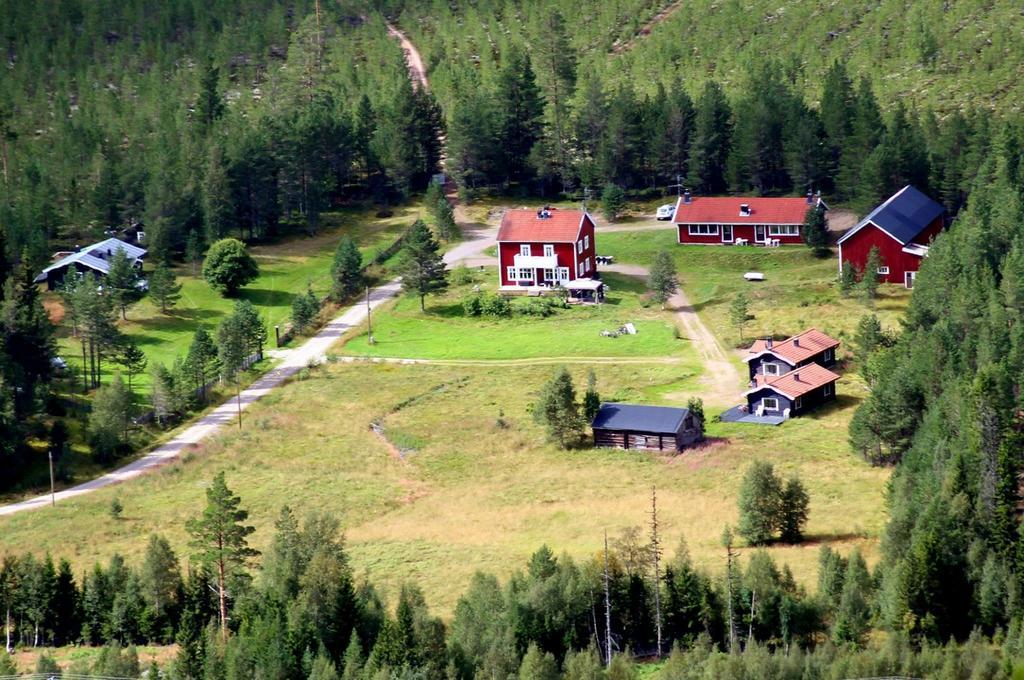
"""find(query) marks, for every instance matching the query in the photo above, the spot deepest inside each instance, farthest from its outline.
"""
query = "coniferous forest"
(202, 120)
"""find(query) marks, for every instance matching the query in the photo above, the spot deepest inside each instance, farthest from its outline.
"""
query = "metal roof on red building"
(529, 226)
(726, 210)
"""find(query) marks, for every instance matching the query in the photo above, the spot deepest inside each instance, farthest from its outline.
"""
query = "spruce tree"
(193, 251)
(218, 208)
(346, 271)
(739, 312)
(815, 231)
(447, 229)
(847, 278)
(793, 509)
(520, 111)
(591, 398)
(220, 539)
(133, 359)
(613, 202)
(163, 287)
(201, 360)
(557, 410)
(538, 665)
(109, 418)
(420, 264)
(869, 277)
(759, 503)
(712, 139)
(853, 615)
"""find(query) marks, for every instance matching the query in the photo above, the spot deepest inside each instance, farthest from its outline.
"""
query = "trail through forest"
(665, 13)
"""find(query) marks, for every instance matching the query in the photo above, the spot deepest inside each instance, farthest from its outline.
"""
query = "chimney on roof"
(810, 197)
(545, 213)
(768, 343)
(796, 342)
(796, 377)
(687, 197)
(744, 210)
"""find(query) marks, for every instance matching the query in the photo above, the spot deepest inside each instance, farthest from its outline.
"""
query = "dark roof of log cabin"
(636, 418)
(795, 349)
(527, 226)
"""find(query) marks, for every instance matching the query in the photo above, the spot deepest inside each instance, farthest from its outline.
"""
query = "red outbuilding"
(902, 229)
(716, 220)
(545, 248)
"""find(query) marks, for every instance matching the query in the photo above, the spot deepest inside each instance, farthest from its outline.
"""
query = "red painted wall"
(565, 252)
(738, 231)
(857, 248)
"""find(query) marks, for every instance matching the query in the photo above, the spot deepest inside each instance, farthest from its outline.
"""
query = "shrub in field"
(495, 305)
(229, 266)
(472, 305)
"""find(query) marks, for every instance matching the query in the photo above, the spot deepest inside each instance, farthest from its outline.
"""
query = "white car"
(58, 363)
(665, 211)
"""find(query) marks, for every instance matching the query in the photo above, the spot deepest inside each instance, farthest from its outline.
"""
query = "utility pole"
(53, 494)
(607, 608)
(369, 323)
(656, 554)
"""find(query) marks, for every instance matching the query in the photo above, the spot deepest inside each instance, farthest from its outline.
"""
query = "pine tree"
(420, 265)
(252, 328)
(556, 75)
(218, 207)
(613, 202)
(447, 229)
(305, 308)
(346, 271)
(866, 341)
(209, 105)
(759, 503)
(231, 348)
(193, 251)
(132, 359)
(853, 615)
(122, 282)
(220, 538)
(712, 139)
(160, 587)
(538, 665)
(556, 409)
(27, 344)
(520, 107)
(836, 108)
(663, 281)
(201, 361)
(163, 287)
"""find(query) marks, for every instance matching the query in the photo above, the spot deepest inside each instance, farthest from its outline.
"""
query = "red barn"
(716, 220)
(548, 247)
(902, 229)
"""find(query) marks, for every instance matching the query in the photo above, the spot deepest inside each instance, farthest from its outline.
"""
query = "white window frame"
(828, 390)
(703, 229)
(525, 274)
(882, 271)
(579, 247)
(586, 242)
(783, 229)
(773, 366)
(909, 278)
(727, 228)
(586, 265)
(511, 274)
(549, 275)
(524, 249)
(829, 355)
(549, 250)
(773, 400)
(798, 403)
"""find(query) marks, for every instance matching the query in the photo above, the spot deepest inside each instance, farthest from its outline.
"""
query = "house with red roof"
(768, 359)
(902, 229)
(547, 248)
(717, 220)
(792, 394)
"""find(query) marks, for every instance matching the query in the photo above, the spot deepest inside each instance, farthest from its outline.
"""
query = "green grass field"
(443, 332)
(799, 291)
(474, 495)
(286, 268)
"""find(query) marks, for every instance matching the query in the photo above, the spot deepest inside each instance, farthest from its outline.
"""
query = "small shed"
(646, 428)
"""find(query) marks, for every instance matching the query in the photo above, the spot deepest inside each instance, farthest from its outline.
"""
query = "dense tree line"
(303, 613)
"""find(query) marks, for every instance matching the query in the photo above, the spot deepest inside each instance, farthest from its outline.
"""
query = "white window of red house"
(524, 249)
(549, 250)
(579, 246)
(784, 230)
(884, 271)
(586, 242)
(549, 274)
(703, 230)
(510, 273)
(563, 273)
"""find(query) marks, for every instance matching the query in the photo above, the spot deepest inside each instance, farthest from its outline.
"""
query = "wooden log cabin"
(645, 428)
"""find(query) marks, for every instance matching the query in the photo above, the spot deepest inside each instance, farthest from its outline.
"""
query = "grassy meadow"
(799, 290)
(472, 493)
(287, 267)
(444, 332)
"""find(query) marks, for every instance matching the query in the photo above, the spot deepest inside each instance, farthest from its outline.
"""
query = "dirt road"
(417, 71)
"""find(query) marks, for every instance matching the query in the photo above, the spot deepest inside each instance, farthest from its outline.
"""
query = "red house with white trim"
(717, 220)
(545, 248)
(902, 229)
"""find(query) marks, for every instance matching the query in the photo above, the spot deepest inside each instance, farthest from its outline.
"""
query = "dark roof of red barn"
(526, 226)
(726, 210)
(903, 215)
